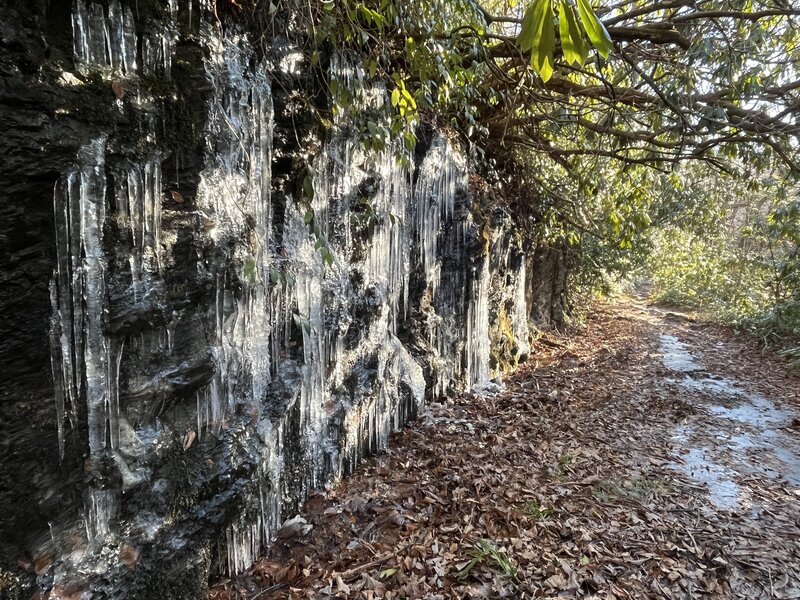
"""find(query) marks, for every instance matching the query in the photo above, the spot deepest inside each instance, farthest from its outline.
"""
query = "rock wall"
(212, 305)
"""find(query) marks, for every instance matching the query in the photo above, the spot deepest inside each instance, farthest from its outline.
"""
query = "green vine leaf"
(575, 48)
(538, 36)
(597, 32)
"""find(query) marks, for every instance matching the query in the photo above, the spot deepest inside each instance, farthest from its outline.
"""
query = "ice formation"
(310, 369)
(106, 38)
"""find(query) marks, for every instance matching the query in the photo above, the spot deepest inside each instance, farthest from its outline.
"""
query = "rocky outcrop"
(212, 305)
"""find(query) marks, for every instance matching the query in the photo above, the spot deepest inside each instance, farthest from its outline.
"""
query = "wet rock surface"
(190, 344)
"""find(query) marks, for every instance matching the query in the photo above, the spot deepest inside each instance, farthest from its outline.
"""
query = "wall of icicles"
(219, 347)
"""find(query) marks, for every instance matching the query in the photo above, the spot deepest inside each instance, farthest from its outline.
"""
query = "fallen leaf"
(294, 527)
(119, 89)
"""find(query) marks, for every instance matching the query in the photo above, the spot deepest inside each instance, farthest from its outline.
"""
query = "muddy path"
(642, 456)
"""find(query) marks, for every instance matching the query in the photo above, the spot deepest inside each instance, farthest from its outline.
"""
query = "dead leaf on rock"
(129, 555)
(118, 89)
(294, 527)
(188, 439)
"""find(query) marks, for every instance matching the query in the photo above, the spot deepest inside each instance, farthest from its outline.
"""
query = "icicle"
(477, 341)
(138, 200)
(121, 39)
(92, 214)
(80, 24)
(114, 363)
(59, 372)
(80, 349)
(100, 508)
(96, 36)
(158, 48)
(104, 42)
(519, 316)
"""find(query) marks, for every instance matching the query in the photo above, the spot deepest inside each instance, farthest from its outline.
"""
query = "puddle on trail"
(747, 436)
(700, 466)
(676, 356)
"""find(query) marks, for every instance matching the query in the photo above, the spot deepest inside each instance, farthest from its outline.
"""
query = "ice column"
(477, 340)
(519, 316)
(81, 356)
(138, 199)
(85, 362)
(235, 191)
(100, 41)
(442, 173)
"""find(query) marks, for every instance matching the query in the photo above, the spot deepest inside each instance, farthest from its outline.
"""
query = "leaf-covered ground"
(605, 469)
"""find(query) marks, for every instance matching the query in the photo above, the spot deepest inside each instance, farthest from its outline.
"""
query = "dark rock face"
(190, 343)
(547, 285)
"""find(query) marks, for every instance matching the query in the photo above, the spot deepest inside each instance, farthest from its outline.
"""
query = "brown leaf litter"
(571, 483)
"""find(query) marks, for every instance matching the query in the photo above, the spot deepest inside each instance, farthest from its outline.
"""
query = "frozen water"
(282, 317)
(104, 41)
(751, 438)
(442, 174)
(698, 463)
(477, 341)
(676, 356)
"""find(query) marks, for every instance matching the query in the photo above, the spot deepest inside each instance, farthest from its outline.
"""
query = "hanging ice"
(82, 353)
(104, 42)
(519, 316)
(138, 201)
(158, 47)
(235, 190)
(89, 33)
(109, 41)
(442, 174)
(477, 340)
(121, 38)
(85, 362)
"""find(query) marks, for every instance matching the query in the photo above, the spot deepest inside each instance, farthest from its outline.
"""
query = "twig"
(273, 588)
(356, 571)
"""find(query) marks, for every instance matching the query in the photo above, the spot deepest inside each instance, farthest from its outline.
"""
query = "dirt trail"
(643, 456)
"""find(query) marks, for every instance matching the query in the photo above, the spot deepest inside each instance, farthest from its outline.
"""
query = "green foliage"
(302, 322)
(537, 34)
(322, 241)
(706, 273)
(538, 38)
(596, 31)
(250, 272)
(729, 247)
(575, 48)
(777, 238)
(280, 278)
(485, 551)
(537, 511)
